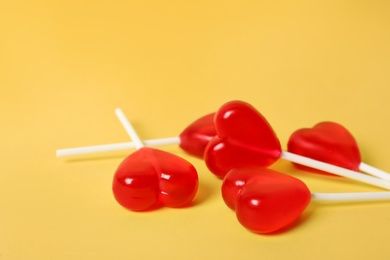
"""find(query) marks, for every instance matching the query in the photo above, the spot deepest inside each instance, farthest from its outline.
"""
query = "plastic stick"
(113, 147)
(374, 171)
(129, 128)
(354, 196)
(335, 170)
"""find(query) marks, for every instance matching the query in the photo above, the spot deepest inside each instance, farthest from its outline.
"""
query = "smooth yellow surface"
(66, 65)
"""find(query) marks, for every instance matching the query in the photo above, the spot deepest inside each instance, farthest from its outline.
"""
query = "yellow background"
(66, 65)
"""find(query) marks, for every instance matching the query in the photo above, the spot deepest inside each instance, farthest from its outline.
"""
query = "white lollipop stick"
(374, 171)
(335, 170)
(114, 147)
(350, 197)
(137, 143)
(129, 128)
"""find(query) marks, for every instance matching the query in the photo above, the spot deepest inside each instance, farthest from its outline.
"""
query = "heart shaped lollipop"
(149, 177)
(244, 138)
(266, 201)
(327, 142)
(332, 143)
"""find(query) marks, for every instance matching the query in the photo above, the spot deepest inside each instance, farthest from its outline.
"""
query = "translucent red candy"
(327, 142)
(244, 138)
(264, 200)
(150, 177)
(197, 135)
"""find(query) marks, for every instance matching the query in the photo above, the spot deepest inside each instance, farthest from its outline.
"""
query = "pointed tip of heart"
(195, 137)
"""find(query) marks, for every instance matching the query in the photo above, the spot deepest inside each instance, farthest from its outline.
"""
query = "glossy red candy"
(327, 142)
(197, 135)
(150, 177)
(264, 200)
(234, 181)
(244, 138)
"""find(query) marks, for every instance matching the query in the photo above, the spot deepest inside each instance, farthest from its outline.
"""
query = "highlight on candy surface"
(235, 180)
(244, 138)
(150, 177)
(264, 200)
(327, 142)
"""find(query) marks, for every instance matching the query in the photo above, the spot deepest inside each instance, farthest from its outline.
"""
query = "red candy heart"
(264, 200)
(150, 177)
(327, 142)
(244, 138)
(197, 135)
